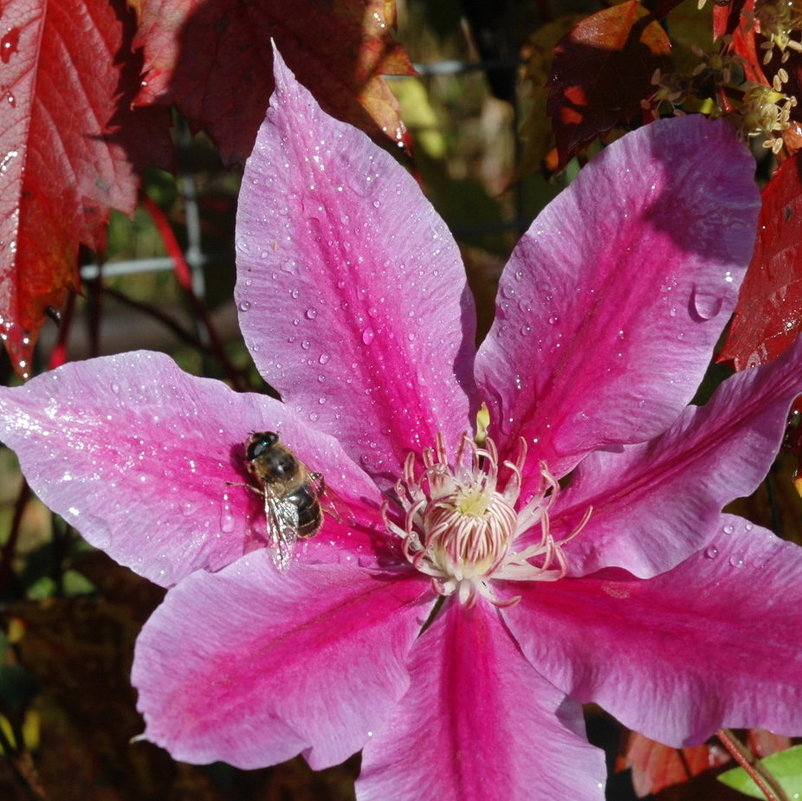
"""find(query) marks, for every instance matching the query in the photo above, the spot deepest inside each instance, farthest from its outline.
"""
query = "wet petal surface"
(148, 462)
(352, 294)
(712, 643)
(252, 666)
(479, 723)
(611, 303)
(658, 503)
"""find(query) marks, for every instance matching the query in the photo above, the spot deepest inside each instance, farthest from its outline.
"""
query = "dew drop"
(163, 571)
(306, 344)
(311, 314)
(728, 529)
(736, 561)
(115, 388)
(707, 302)
(711, 552)
(8, 44)
(553, 320)
(368, 335)
(244, 305)
(226, 516)
(323, 358)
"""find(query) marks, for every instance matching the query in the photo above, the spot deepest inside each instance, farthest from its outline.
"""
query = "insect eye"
(261, 443)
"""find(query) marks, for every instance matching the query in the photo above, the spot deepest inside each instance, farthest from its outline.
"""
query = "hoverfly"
(291, 494)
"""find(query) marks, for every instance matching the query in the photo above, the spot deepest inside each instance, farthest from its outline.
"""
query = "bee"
(291, 494)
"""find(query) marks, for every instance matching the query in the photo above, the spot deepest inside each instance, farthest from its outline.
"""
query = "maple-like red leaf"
(602, 70)
(656, 766)
(768, 316)
(213, 60)
(70, 147)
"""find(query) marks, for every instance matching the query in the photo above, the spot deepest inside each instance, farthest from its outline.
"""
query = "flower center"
(462, 524)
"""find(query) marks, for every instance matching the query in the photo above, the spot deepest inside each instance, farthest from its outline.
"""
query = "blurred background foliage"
(480, 144)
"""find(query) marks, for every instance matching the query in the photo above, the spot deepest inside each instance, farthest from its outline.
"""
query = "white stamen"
(459, 522)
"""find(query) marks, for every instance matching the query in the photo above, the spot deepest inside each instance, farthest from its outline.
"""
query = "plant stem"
(756, 770)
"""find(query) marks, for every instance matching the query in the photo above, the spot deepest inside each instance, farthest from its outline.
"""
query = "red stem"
(183, 275)
(58, 356)
(766, 782)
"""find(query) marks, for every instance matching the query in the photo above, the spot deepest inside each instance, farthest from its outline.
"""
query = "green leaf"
(785, 766)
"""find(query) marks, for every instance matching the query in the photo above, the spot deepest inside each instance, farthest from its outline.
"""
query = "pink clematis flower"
(466, 594)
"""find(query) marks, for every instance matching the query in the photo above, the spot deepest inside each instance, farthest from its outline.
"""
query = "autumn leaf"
(768, 316)
(736, 19)
(70, 149)
(656, 766)
(213, 60)
(602, 70)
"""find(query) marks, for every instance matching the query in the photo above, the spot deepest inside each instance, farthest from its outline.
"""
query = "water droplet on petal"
(163, 571)
(311, 314)
(244, 306)
(226, 516)
(367, 336)
(324, 357)
(711, 552)
(707, 301)
(728, 529)
(737, 561)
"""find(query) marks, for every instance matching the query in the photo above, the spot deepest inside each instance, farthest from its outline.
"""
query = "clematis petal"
(352, 295)
(712, 643)
(251, 667)
(611, 303)
(657, 503)
(478, 723)
(140, 457)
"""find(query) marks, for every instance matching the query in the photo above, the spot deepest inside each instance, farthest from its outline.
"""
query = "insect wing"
(282, 528)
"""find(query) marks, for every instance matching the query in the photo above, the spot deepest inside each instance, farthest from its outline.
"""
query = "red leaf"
(602, 70)
(69, 148)
(213, 59)
(736, 19)
(656, 766)
(768, 316)
(763, 743)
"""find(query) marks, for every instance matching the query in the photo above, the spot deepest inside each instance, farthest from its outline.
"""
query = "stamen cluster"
(460, 521)
(756, 109)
